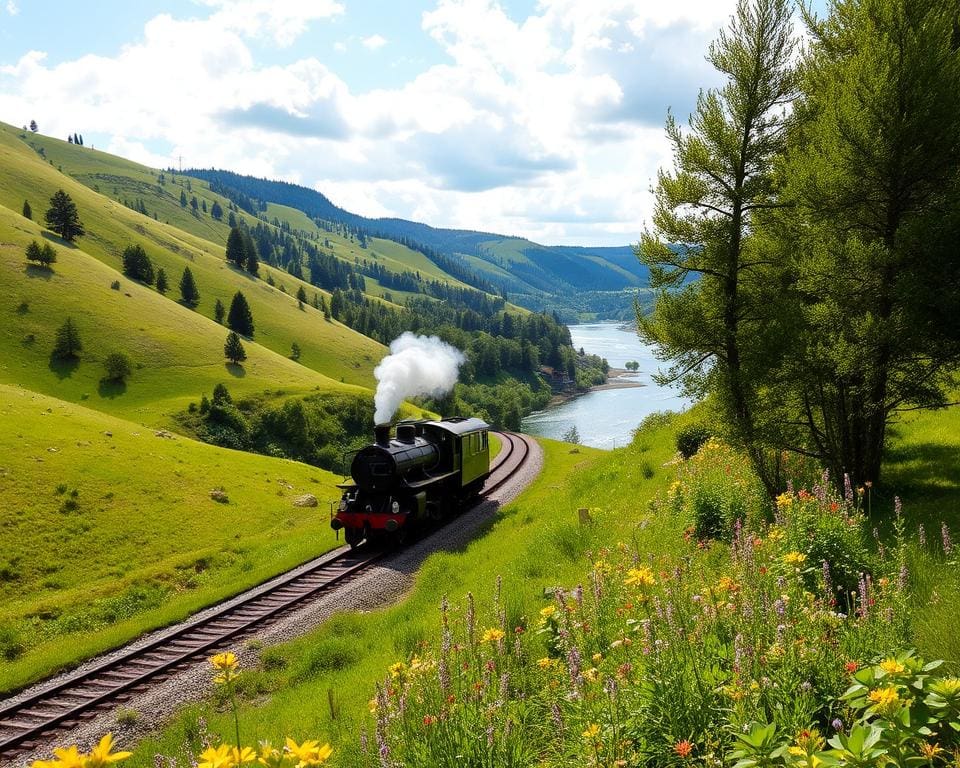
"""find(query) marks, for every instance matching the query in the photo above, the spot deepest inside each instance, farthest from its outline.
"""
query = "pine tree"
(301, 297)
(69, 139)
(294, 351)
(33, 126)
(67, 344)
(233, 349)
(27, 210)
(62, 216)
(137, 265)
(216, 211)
(219, 311)
(236, 253)
(252, 257)
(162, 285)
(188, 288)
(232, 219)
(183, 199)
(42, 254)
(240, 318)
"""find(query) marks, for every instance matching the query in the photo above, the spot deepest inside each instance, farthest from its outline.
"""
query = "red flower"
(683, 748)
(851, 667)
(429, 719)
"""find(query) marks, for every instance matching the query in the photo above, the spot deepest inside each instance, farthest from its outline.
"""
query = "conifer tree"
(219, 311)
(216, 211)
(67, 344)
(183, 199)
(252, 262)
(301, 297)
(62, 216)
(233, 349)
(236, 253)
(240, 318)
(27, 210)
(188, 288)
(42, 254)
(162, 284)
(137, 265)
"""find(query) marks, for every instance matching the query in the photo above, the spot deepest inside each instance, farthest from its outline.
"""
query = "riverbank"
(617, 378)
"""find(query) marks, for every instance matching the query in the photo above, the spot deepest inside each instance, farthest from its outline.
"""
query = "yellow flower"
(100, 755)
(591, 674)
(547, 611)
(397, 670)
(640, 577)
(597, 658)
(308, 753)
(930, 751)
(242, 755)
(775, 534)
(545, 663)
(216, 757)
(794, 558)
(492, 635)
(270, 756)
(784, 501)
(885, 700)
(892, 666)
(224, 661)
(726, 584)
(66, 758)
(372, 705)
(593, 730)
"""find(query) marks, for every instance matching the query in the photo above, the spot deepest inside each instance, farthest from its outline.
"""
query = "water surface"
(606, 418)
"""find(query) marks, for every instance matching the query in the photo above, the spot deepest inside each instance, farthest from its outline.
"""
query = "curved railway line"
(27, 721)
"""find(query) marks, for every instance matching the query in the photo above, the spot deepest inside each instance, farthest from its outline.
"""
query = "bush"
(12, 644)
(690, 438)
(117, 367)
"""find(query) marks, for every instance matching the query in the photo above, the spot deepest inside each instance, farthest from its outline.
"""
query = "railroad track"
(26, 723)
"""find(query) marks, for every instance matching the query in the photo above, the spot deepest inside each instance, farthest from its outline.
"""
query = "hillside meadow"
(109, 529)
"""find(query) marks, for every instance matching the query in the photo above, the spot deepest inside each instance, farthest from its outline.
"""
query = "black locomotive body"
(424, 472)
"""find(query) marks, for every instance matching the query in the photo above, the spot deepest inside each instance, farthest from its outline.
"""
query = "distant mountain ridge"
(536, 275)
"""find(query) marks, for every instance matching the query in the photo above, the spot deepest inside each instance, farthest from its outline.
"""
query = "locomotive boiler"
(425, 471)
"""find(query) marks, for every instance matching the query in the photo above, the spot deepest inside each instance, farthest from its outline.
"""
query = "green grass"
(535, 543)
(105, 536)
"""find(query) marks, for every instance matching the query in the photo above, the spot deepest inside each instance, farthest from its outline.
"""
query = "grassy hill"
(328, 348)
(109, 529)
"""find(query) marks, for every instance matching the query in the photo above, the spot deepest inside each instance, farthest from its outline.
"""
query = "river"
(606, 418)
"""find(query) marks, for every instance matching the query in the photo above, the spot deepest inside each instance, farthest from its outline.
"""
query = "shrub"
(690, 438)
(12, 644)
(117, 367)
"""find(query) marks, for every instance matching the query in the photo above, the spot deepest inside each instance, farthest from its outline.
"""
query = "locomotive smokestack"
(382, 434)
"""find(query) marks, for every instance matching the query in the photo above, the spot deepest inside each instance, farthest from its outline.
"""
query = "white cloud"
(374, 42)
(12, 8)
(550, 127)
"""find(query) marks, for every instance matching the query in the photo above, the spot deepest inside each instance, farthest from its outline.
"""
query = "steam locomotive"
(425, 472)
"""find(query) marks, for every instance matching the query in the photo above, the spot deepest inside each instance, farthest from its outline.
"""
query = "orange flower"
(683, 748)
(851, 667)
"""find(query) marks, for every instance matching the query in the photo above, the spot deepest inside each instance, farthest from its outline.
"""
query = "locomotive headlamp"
(395, 507)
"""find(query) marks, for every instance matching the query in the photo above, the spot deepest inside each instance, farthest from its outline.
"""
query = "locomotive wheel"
(353, 537)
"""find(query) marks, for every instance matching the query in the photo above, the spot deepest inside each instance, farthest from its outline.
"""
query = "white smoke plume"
(416, 365)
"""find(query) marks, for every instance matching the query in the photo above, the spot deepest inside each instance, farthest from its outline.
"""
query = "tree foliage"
(717, 330)
(27, 210)
(67, 344)
(62, 216)
(188, 288)
(163, 284)
(240, 318)
(137, 265)
(117, 367)
(233, 349)
(45, 254)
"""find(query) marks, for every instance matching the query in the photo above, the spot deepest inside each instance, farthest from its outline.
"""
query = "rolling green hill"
(109, 529)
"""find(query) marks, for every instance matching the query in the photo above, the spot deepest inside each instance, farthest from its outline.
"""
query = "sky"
(536, 118)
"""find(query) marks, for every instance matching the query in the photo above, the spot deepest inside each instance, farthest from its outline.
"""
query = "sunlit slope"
(177, 354)
(109, 529)
(327, 347)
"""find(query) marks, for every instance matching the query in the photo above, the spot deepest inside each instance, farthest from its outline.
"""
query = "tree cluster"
(804, 243)
(137, 265)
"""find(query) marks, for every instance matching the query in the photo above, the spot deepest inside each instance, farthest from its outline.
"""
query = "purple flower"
(897, 506)
(847, 488)
(837, 724)
(945, 538)
(922, 533)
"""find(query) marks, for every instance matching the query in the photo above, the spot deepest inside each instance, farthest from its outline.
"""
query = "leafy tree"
(137, 265)
(33, 126)
(27, 210)
(301, 297)
(117, 367)
(62, 216)
(67, 344)
(219, 311)
(44, 255)
(233, 350)
(872, 242)
(632, 365)
(188, 288)
(163, 284)
(216, 211)
(715, 330)
(240, 318)
(236, 252)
